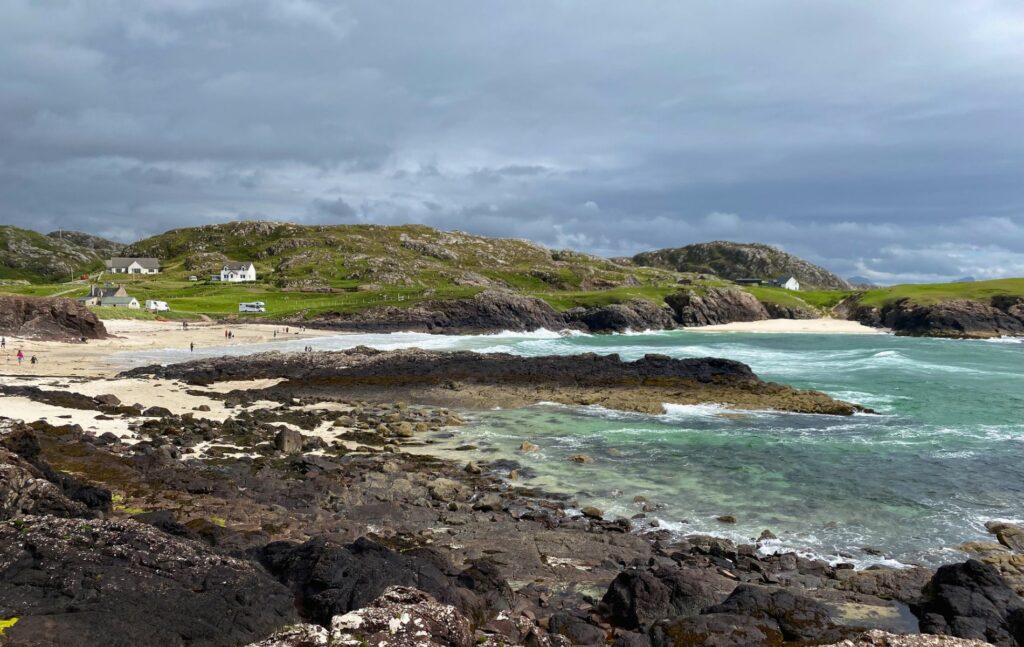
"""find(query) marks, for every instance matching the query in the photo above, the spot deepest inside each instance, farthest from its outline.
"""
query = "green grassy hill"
(409, 256)
(31, 256)
(308, 270)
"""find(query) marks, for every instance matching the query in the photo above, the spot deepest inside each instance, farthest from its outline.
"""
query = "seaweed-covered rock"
(74, 582)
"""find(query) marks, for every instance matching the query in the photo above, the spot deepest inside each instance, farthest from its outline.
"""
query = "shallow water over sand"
(945, 454)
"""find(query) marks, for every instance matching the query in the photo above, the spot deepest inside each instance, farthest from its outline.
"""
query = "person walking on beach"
(191, 347)
(21, 356)
(34, 360)
(3, 342)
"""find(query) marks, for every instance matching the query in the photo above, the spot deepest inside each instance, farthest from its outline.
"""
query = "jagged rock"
(878, 638)
(48, 318)
(577, 630)
(447, 490)
(487, 312)
(302, 635)
(1008, 534)
(157, 412)
(797, 617)
(638, 598)
(81, 583)
(402, 617)
(24, 490)
(288, 441)
(331, 579)
(581, 458)
(715, 306)
(527, 446)
(951, 318)
(591, 512)
(715, 630)
(636, 315)
(972, 600)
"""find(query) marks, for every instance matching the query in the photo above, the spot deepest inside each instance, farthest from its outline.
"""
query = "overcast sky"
(883, 139)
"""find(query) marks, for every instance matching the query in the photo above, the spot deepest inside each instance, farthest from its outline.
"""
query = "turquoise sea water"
(944, 454)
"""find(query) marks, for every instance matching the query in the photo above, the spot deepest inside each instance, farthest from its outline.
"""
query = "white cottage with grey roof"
(238, 272)
(120, 265)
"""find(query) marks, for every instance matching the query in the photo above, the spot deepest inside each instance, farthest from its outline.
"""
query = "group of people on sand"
(20, 355)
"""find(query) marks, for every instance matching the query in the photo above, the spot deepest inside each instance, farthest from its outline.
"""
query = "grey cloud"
(878, 139)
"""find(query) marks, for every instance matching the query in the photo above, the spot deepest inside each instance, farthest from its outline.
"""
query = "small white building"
(157, 306)
(238, 272)
(787, 282)
(119, 302)
(118, 265)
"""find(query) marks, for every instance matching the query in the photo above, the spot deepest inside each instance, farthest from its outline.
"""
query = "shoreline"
(822, 326)
(238, 465)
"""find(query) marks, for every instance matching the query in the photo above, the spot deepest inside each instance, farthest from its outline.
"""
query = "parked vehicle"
(255, 306)
(157, 306)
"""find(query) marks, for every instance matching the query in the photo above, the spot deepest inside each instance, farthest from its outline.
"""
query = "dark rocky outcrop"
(48, 318)
(640, 597)
(81, 583)
(796, 617)
(972, 600)
(331, 579)
(636, 315)
(715, 306)
(951, 318)
(475, 380)
(487, 312)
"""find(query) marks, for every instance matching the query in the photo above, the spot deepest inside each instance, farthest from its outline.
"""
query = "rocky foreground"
(296, 522)
(475, 380)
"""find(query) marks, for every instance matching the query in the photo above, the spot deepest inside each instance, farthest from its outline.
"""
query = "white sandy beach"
(818, 326)
(91, 359)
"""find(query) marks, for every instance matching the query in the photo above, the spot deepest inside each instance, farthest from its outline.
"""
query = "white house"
(118, 265)
(119, 302)
(788, 282)
(238, 272)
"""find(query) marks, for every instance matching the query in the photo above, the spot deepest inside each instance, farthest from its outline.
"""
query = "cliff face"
(739, 260)
(716, 306)
(48, 318)
(953, 318)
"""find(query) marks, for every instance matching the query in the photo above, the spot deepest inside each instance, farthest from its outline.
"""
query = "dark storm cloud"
(880, 139)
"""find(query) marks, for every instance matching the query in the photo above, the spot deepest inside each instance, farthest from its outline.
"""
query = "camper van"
(157, 306)
(255, 306)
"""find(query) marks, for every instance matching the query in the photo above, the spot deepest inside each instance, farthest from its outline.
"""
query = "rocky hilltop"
(48, 318)
(741, 260)
(372, 256)
(56, 256)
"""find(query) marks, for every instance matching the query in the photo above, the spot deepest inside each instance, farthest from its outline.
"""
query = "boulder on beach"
(48, 318)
